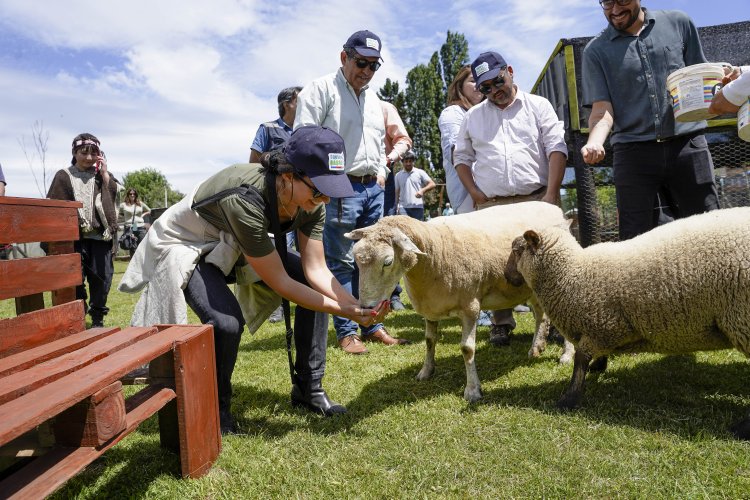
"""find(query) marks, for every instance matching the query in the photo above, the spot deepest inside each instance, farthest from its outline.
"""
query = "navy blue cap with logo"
(319, 153)
(486, 67)
(365, 43)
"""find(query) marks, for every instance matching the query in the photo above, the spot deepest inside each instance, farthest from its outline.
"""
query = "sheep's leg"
(598, 365)
(473, 390)
(573, 394)
(539, 342)
(569, 351)
(430, 337)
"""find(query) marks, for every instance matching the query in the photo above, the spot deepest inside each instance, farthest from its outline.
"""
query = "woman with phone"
(88, 181)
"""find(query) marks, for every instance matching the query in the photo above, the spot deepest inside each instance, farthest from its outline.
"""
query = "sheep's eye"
(387, 261)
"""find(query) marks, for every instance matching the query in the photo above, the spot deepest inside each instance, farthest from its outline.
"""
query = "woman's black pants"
(209, 296)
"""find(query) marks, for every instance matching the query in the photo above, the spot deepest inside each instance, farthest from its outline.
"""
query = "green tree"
(151, 186)
(422, 95)
(454, 54)
(422, 101)
(390, 92)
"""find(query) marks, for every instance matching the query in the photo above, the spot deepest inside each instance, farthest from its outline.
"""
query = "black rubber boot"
(309, 394)
(227, 423)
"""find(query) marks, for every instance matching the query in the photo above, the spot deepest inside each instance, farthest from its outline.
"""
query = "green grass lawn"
(650, 426)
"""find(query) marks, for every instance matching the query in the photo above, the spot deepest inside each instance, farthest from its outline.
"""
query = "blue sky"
(181, 85)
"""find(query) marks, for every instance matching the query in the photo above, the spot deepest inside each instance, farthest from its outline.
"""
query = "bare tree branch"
(37, 150)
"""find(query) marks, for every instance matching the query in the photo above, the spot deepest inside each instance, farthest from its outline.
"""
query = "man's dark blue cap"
(486, 67)
(365, 43)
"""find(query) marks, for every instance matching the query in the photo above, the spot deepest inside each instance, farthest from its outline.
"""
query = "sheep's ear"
(533, 240)
(357, 234)
(403, 242)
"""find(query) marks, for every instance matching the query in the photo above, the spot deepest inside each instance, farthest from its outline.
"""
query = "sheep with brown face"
(452, 267)
(679, 288)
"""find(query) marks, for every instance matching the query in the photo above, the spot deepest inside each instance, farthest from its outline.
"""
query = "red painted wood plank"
(39, 202)
(197, 402)
(47, 473)
(26, 381)
(27, 223)
(31, 409)
(28, 358)
(33, 329)
(40, 274)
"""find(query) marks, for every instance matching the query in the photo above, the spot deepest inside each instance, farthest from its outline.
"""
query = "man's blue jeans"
(363, 209)
(415, 212)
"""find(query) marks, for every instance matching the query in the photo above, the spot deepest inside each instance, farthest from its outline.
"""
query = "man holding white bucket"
(625, 70)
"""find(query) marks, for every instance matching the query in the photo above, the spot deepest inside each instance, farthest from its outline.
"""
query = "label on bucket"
(691, 97)
(694, 92)
(743, 121)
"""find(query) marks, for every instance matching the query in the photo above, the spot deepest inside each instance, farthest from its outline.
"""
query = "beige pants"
(505, 316)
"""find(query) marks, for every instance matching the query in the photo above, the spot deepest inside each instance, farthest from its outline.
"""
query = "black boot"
(227, 423)
(309, 394)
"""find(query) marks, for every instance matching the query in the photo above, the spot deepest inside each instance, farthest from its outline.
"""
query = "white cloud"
(181, 85)
(86, 24)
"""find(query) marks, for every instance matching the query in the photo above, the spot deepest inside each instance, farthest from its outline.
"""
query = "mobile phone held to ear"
(98, 164)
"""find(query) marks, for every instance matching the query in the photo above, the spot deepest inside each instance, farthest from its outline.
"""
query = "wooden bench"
(61, 399)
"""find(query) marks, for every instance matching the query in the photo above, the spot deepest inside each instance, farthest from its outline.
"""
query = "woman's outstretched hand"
(366, 316)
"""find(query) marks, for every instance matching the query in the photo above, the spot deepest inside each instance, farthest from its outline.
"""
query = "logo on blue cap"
(336, 162)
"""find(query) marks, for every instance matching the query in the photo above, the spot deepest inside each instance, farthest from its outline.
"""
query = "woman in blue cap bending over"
(189, 255)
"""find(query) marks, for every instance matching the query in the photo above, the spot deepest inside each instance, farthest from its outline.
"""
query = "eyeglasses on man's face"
(608, 4)
(496, 83)
(363, 63)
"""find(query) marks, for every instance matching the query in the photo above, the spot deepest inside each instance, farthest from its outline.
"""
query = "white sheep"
(452, 267)
(681, 287)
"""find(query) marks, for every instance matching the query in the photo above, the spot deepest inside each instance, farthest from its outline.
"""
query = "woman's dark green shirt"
(247, 222)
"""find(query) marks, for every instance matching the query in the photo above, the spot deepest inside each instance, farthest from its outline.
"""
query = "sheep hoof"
(741, 430)
(534, 353)
(472, 395)
(425, 374)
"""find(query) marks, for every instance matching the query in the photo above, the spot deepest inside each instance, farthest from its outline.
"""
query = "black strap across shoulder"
(249, 193)
(254, 196)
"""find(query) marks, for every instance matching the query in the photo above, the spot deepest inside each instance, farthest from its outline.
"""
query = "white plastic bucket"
(743, 121)
(692, 89)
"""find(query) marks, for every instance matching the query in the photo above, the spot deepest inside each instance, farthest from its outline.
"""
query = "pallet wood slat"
(38, 274)
(195, 382)
(30, 330)
(31, 357)
(25, 220)
(26, 381)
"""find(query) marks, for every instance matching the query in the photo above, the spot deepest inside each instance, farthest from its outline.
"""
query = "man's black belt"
(363, 179)
(533, 193)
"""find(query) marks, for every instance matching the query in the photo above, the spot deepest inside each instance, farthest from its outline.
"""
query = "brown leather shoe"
(352, 345)
(381, 335)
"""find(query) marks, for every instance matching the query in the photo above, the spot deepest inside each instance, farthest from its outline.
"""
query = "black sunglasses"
(363, 63)
(498, 82)
(608, 4)
(316, 194)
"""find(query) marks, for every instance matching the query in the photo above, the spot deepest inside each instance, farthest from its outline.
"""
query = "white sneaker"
(277, 316)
